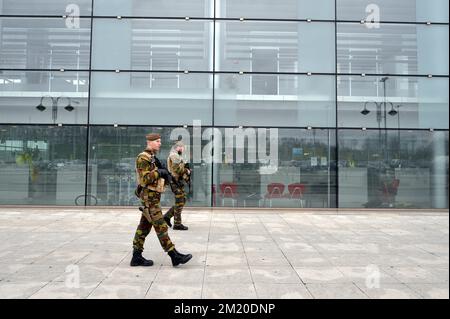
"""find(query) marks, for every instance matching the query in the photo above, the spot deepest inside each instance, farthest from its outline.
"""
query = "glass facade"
(302, 104)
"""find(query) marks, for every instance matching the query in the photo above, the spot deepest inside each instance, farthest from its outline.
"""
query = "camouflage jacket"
(176, 166)
(147, 172)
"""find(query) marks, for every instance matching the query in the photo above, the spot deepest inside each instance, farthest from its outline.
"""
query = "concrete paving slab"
(336, 291)
(85, 253)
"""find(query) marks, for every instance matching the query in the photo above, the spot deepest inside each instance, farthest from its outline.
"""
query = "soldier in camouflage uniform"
(151, 181)
(176, 167)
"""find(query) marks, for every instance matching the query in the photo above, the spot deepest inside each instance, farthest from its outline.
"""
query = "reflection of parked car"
(343, 163)
(52, 165)
(299, 163)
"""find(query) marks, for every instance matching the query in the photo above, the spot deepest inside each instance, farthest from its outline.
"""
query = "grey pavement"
(85, 253)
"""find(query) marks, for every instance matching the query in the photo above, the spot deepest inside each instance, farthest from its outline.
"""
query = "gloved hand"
(187, 169)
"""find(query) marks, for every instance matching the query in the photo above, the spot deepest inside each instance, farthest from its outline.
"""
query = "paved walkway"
(70, 253)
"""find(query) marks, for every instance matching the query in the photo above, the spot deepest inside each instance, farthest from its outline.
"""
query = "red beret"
(153, 137)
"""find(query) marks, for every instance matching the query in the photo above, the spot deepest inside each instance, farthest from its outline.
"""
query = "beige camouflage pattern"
(147, 173)
(176, 167)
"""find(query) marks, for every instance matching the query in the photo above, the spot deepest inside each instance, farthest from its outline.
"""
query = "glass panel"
(398, 10)
(152, 45)
(274, 100)
(112, 177)
(275, 46)
(46, 7)
(410, 102)
(281, 9)
(36, 43)
(298, 171)
(43, 97)
(393, 169)
(392, 49)
(151, 98)
(42, 165)
(155, 8)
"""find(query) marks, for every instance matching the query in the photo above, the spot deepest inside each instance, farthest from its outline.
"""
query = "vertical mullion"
(86, 187)
(213, 99)
(336, 104)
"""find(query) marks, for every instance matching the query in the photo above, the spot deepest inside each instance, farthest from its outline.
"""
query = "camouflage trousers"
(152, 217)
(180, 201)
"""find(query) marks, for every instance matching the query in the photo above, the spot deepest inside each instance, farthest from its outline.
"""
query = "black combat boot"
(138, 260)
(167, 219)
(178, 258)
(180, 227)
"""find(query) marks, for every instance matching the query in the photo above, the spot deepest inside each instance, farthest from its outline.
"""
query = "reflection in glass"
(304, 176)
(112, 176)
(281, 9)
(162, 45)
(151, 98)
(167, 63)
(388, 10)
(398, 102)
(42, 165)
(408, 169)
(43, 97)
(392, 49)
(155, 8)
(38, 43)
(47, 7)
(275, 100)
(255, 46)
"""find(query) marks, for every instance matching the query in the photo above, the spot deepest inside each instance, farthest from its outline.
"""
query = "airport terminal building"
(352, 96)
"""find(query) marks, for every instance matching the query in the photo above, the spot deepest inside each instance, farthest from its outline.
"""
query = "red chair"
(274, 190)
(228, 190)
(296, 191)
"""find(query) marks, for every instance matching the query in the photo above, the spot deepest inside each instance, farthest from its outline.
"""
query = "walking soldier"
(151, 180)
